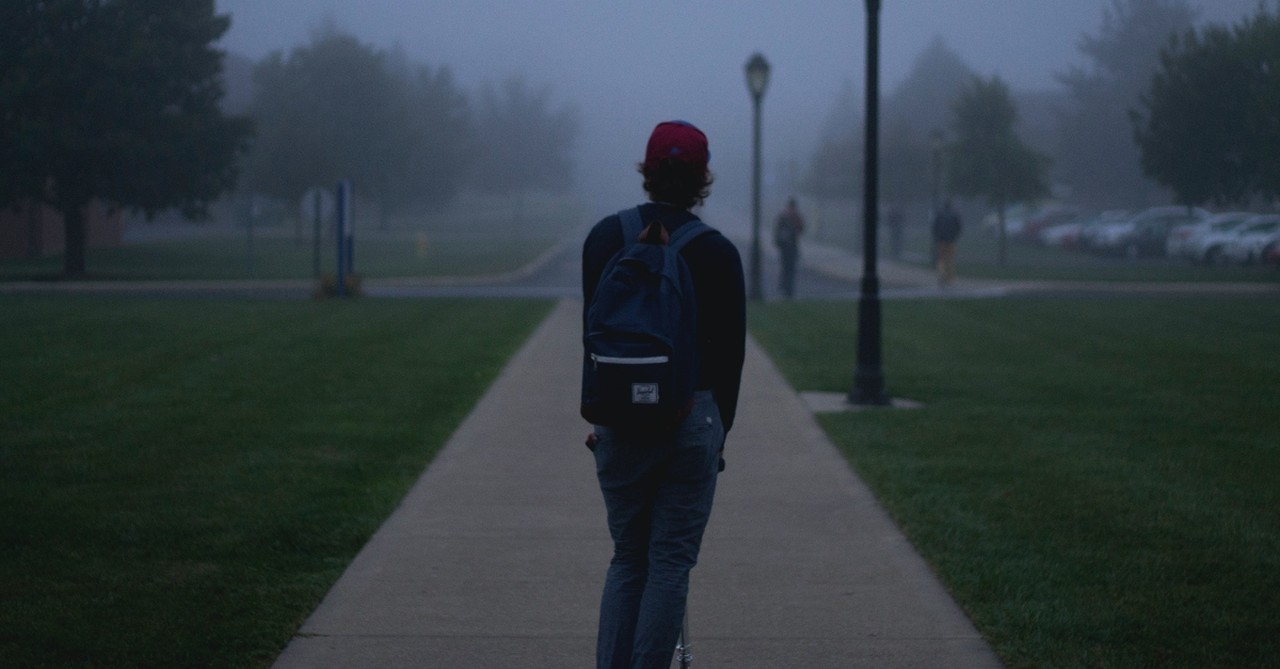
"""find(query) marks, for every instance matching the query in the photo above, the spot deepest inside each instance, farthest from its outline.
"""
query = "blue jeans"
(658, 493)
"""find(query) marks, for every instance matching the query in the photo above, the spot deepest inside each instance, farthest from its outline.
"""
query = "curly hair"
(677, 182)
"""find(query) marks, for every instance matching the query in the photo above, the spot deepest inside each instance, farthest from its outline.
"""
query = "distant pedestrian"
(946, 230)
(786, 236)
(659, 482)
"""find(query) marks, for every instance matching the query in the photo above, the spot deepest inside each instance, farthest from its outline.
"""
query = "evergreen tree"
(1097, 155)
(835, 170)
(916, 111)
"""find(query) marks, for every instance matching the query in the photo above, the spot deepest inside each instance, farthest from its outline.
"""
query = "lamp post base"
(868, 389)
(868, 376)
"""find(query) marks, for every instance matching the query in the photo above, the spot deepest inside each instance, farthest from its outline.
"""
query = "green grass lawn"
(182, 481)
(480, 235)
(1098, 483)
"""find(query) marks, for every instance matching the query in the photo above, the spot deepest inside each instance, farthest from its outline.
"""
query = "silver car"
(1145, 234)
(1252, 239)
(1204, 242)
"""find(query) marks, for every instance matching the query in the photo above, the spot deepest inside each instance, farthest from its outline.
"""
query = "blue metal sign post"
(345, 243)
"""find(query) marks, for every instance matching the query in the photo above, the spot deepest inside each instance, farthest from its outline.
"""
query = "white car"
(1064, 234)
(1246, 246)
(1067, 235)
(1106, 237)
(1204, 242)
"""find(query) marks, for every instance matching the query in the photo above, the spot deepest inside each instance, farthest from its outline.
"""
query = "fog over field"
(626, 65)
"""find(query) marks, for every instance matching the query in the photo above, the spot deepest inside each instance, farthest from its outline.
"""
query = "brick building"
(35, 231)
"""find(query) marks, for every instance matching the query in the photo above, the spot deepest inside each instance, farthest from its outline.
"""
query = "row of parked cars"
(1177, 232)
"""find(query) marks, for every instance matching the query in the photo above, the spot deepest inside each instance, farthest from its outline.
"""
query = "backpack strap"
(632, 225)
(687, 233)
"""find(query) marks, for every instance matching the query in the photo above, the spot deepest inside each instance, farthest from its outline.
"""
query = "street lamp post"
(868, 380)
(757, 80)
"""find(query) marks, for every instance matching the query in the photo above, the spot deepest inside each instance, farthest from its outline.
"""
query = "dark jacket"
(946, 225)
(716, 269)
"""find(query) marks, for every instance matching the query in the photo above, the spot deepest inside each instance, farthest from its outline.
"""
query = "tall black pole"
(757, 289)
(868, 379)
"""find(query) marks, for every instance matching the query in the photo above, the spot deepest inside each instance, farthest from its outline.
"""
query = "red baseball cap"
(679, 140)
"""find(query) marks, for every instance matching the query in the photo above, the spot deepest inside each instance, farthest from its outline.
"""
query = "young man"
(658, 486)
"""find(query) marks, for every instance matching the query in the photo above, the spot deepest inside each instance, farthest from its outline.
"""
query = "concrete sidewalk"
(496, 557)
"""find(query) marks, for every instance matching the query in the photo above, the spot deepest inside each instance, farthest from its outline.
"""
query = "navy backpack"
(640, 333)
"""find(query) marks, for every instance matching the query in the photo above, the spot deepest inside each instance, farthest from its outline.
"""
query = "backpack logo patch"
(644, 393)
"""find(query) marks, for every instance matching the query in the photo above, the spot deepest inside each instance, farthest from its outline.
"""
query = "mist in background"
(626, 66)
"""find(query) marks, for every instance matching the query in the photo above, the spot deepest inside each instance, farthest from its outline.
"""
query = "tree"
(1208, 127)
(1097, 154)
(987, 159)
(337, 108)
(835, 170)
(329, 111)
(116, 100)
(917, 109)
(524, 143)
(440, 140)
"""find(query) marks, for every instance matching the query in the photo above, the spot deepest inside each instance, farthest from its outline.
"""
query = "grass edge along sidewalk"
(1094, 481)
(182, 481)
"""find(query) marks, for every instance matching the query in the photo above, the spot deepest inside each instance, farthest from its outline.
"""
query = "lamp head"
(757, 75)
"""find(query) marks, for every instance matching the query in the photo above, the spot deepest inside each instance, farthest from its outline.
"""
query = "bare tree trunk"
(35, 229)
(1000, 252)
(76, 233)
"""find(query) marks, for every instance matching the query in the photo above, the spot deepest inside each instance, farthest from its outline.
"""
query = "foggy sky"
(627, 64)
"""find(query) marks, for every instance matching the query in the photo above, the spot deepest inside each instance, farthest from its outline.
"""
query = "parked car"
(1271, 255)
(1098, 237)
(1253, 238)
(1014, 216)
(1204, 242)
(1068, 235)
(1048, 217)
(1146, 234)
(1065, 234)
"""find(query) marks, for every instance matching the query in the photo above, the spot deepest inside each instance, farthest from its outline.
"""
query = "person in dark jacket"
(658, 487)
(946, 230)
